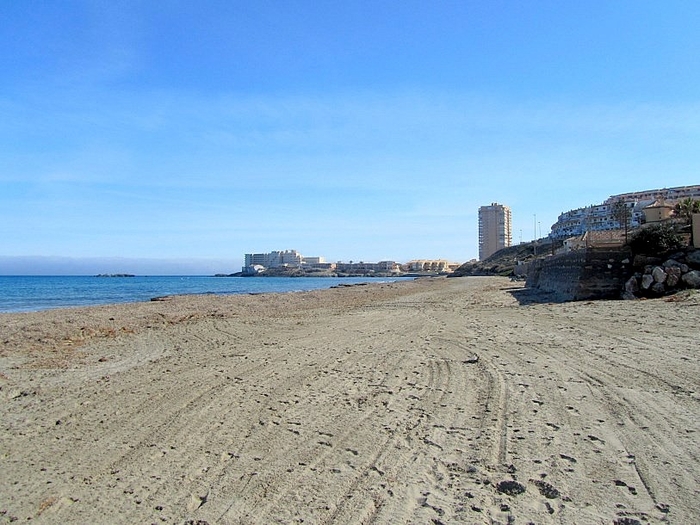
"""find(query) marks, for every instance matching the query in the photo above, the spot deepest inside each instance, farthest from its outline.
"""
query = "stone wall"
(593, 273)
(557, 274)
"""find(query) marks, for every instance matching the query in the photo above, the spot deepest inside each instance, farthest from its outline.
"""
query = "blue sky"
(194, 132)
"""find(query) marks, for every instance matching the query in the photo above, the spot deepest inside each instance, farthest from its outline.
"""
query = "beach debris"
(196, 501)
(471, 360)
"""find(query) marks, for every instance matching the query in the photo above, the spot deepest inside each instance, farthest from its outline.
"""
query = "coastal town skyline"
(571, 222)
(494, 233)
(177, 139)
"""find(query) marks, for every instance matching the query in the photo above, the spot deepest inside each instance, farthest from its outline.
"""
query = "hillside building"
(494, 229)
(601, 217)
(658, 211)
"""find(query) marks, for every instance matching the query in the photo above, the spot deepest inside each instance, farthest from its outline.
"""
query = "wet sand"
(435, 401)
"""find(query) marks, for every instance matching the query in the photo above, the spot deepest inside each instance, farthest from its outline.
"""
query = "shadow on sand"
(527, 296)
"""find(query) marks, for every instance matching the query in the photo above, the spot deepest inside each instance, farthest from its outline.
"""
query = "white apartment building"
(668, 194)
(600, 217)
(431, 265)
(594, 218)
(274, 259)
(381, 266)
(494, 229)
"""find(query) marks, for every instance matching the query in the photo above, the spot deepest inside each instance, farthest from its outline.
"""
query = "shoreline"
(56, 292)
(405, 402)
(76, 325)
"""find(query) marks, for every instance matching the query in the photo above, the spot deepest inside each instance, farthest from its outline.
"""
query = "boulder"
(692, 279)
(647, 281)
(658, 288)
(632, 285)
(674, 270)
(658, 274)
(671, 263)
(672, 280)
(693, 258)
(628, 296)
(673, 276)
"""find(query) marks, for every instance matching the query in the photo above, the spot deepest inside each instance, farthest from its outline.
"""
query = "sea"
(34, 293)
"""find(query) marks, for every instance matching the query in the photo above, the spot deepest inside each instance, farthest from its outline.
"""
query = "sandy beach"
(434, 401)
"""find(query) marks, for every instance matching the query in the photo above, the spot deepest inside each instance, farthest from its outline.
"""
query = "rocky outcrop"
(655, 277)
(508, 261)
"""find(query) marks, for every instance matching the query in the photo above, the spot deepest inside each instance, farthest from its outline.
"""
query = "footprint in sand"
(626, 521)
(546, 489)
(567, 458)
(621, 483)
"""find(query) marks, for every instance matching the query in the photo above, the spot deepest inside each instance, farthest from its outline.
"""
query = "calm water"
(31, 293)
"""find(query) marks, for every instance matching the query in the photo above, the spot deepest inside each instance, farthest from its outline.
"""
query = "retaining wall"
(593, 273)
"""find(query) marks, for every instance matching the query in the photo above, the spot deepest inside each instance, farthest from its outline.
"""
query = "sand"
(427, 402)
